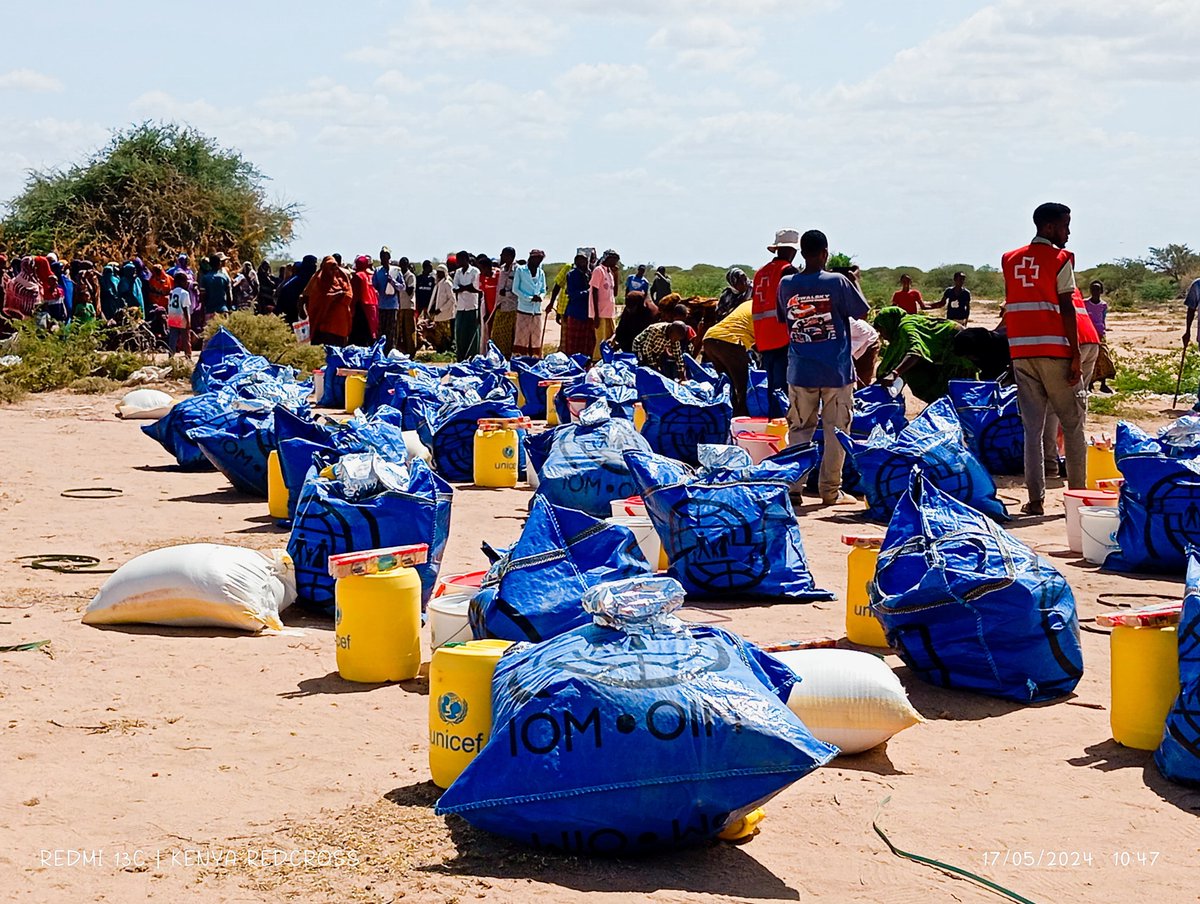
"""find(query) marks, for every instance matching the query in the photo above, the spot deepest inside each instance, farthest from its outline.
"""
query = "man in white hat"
(770, 333)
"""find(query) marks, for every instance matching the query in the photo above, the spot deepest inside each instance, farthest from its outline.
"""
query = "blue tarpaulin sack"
(729, 530)
(533, 592)
(538, 446)
(171, 430)
(634, 733)
(453, 440)
(350, 356)
(759, 400)
(934, 442)
(532, 371)
(968, 606)
(1159, 505)
(221, 351)
(682, 416)
(409, 505)
(874, 406)
(615, 383)
(991, 423)
(586, 469)
(238, 447)
(1178, 756)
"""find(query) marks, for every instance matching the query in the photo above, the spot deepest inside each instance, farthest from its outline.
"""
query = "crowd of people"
(806, 324)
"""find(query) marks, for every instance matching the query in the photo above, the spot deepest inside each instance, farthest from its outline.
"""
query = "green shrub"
(94, 385)
(270, 337)
(52, 361)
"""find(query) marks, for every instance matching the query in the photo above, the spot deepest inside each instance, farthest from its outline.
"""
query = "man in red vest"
(1044, 340)
(770, 333)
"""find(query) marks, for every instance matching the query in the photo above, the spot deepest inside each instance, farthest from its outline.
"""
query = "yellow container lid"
(491, 649)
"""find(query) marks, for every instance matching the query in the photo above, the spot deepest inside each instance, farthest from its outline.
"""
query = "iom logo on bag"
(452, 708)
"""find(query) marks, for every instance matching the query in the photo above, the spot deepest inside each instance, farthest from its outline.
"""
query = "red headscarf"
(328, 295)
(51, 290)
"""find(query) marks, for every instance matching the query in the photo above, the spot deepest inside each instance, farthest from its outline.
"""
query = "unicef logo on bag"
(452, 708)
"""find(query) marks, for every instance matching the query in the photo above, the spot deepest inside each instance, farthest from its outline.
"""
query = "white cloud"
(245, 128)
(29, 80)
(705, 42)
(604, 80)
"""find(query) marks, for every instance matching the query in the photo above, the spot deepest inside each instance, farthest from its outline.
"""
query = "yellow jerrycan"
(1145, 683)
(552, 387)
(460, 705)
(862, 627)
(377, 620)
(356, 389)
(497, 452)
(277, 491)
(1101, 461)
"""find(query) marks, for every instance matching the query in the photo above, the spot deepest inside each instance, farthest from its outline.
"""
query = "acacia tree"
(1175, 261)
(154, 190)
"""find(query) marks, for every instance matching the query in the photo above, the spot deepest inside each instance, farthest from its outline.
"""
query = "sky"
(676, 131)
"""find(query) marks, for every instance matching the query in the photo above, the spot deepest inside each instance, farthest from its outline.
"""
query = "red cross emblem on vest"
(1027, 272)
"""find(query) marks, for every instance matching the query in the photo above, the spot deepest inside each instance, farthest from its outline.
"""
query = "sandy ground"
(160, 764)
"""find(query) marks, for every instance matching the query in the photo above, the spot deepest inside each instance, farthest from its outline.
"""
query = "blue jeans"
(775, 364)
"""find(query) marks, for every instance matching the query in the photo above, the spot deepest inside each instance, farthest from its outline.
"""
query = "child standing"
(1097, 309)
(179, 317)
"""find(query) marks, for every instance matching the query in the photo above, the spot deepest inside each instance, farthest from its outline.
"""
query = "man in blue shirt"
(817, 307)
(1192, 301)
(637, 282)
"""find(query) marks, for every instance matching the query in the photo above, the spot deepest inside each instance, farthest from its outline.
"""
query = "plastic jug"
(639, 416)
(512, 378)
(356, 391)
(862, 627)
(552, 387)
(318, 376)
(1145, 683)
(460, 705)
(277, 491)
(378, 626)
(496, 459)
(1101, 462)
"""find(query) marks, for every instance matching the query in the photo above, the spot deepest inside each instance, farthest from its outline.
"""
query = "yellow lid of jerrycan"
(460, 705)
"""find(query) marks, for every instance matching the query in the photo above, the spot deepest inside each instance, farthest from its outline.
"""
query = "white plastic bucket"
(1074, 500)
(448, 619)
(531, 474)
(759, 445)
(633, 507)
(646, 535)
(1098, 525)
(318, 383)
(575, 407)
(749, 425)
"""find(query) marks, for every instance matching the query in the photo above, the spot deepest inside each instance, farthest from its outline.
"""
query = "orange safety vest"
(769, 332)
(1031, 313)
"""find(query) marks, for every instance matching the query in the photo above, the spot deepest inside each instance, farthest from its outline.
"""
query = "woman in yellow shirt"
(727, 347)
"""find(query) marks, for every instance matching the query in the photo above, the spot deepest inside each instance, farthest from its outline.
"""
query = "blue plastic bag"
(682, 416)
(586, 469)
(759, 400)
(729, 530)
(534, 591)
(532, 371)
(221, 354)
(171, 430)
(328, 523)
(1159, 505)
(934, 441)
(1178, 756)
(352, 357)
(991, 423)
(453, 440)
(635, 733)
(238, 447)
(968, 606)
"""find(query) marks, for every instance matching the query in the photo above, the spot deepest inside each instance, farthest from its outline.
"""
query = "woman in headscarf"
(736, 291)
(503, 325)
(158, 290)
(364, 329)
(921, 351)
(328, 298)
(129, 289)
(68, 284)
(110, 305)
(23, 293)
(245, 287)
(267, 283)
(52, 293)
(289, 293)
